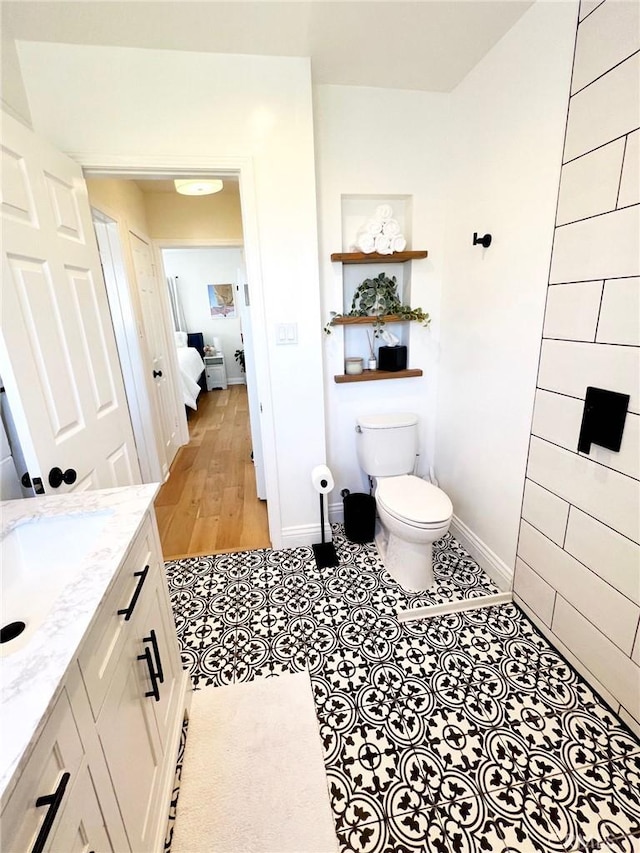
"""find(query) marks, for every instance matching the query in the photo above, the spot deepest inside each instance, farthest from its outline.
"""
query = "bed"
(190, 349)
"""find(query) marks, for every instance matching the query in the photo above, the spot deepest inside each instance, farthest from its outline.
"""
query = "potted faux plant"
(378, 297)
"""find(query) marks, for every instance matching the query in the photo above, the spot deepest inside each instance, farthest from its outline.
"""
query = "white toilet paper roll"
(322, 479)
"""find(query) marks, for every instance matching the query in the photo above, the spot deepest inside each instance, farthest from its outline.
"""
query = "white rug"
(253, 777)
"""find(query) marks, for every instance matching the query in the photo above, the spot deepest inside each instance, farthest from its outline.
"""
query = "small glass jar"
(372, 364)
(352, 366)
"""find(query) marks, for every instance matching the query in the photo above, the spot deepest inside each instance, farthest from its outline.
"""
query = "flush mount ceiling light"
(198, 186)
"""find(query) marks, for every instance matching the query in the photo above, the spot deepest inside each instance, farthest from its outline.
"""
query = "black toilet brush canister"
(324, 552)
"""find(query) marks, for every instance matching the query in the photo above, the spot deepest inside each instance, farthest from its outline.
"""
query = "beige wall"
(120, 199)
(177, 217)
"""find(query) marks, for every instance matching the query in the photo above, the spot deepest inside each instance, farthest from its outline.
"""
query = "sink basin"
(40, 557)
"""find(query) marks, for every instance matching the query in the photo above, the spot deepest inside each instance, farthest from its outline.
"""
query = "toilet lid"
(410, 498)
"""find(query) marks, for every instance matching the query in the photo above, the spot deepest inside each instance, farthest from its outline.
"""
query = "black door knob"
(57, 477)
(157, 373)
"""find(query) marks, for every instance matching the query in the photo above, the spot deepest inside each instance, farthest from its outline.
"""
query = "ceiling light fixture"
(198, 186)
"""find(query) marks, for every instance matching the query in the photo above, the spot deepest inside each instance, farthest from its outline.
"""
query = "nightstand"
(215, 371)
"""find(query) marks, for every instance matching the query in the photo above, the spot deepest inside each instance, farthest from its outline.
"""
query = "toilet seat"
(414, 501)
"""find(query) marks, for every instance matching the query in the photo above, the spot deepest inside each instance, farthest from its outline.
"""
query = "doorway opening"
(123, 199)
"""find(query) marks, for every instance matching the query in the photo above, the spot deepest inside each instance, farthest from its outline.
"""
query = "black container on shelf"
(392, 358)
(359, 516)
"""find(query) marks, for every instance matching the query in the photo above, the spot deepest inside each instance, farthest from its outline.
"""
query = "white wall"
(132, 104)
(577, 572)
(505, 144)
(379, 142)
(195, 269)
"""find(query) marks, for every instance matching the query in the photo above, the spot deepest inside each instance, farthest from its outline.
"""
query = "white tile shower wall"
(630, 181)
(578, 567)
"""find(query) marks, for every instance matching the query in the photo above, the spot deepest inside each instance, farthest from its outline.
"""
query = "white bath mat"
(253, 778)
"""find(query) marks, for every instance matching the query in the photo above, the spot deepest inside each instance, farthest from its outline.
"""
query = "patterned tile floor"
(465, 732)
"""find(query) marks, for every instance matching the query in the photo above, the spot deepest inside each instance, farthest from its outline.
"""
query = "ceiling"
(426, 45)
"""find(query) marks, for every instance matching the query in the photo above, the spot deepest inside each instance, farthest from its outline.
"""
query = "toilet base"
(409, 563)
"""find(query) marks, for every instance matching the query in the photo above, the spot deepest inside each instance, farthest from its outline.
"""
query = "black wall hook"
(482, 241)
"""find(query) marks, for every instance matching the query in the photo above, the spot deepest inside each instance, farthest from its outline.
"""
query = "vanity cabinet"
(105, 758)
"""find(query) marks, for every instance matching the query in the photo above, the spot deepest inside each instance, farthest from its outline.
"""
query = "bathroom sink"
(40, 556)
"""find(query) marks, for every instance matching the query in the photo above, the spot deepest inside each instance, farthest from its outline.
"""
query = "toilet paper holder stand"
(324, 552)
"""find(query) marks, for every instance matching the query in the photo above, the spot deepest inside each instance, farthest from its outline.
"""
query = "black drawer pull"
(155, 692)
(156, 653)
(53, 801)
(128, 611)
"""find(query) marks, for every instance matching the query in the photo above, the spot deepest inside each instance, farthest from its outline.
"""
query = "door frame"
(132, 167)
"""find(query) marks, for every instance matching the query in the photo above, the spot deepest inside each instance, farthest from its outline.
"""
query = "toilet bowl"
(412, 515)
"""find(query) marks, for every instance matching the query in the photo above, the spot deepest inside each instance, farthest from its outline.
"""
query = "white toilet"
(412, 512)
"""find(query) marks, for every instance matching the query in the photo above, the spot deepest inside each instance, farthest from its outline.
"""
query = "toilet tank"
(387, 444)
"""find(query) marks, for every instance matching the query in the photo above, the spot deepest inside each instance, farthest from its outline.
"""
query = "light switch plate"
(286, 333)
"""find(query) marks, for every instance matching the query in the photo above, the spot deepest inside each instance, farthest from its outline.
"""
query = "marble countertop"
(32, 676)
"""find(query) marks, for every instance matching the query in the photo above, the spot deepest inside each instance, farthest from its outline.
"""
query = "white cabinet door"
(82, 828)
(58, 356)
(129, 735)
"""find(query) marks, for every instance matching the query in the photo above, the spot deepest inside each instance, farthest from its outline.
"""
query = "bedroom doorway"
(231, 409)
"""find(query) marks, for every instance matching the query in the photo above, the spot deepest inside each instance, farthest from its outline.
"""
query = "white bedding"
(191, 366)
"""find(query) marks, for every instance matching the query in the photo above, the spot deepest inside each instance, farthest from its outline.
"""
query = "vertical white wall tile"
(547, 512)
(615, 670)
(612, 556)
(589, 185)
(605, 38)
(605, 110)
(606, 246)
(598, 491)
(630, 182)
(557, 418)
(587, 7)
(535, 591)
(611, 612)
(570, 367)
(619, 321)
(631, 721)
(572, 311)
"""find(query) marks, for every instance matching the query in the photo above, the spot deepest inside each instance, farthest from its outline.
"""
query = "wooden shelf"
(377, 375)
(375, 258)
(363, 321)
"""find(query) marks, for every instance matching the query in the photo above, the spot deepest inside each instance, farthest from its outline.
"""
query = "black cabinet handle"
(157, 373)
(156, 653)
(53, 801)
(128, 611)
(152, 674)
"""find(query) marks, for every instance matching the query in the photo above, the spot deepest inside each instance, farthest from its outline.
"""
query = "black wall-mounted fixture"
(482, 241)
(603, 419)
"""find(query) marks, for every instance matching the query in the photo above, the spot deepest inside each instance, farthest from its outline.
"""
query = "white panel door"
(58, 356)
(155, 334)
(243, 302)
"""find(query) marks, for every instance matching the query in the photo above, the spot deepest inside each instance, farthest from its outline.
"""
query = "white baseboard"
(336, 512)
(238, 380)
(304, 534)
(497, 570)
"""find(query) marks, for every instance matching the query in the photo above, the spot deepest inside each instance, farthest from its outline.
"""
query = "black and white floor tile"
(462, 733)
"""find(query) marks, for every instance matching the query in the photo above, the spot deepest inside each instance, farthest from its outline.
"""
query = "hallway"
(209, 505)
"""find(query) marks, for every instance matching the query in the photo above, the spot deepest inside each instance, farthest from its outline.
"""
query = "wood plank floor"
(209, 505)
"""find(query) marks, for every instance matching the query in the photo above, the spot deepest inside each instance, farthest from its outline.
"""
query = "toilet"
(412, 513)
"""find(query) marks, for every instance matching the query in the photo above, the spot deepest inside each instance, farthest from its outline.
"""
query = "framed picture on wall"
(221, 302)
